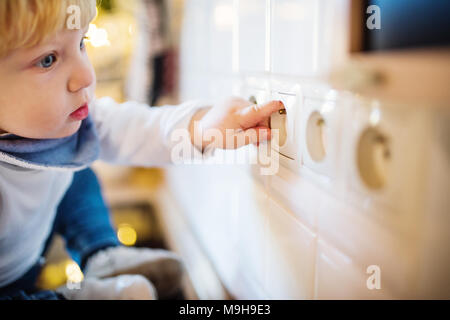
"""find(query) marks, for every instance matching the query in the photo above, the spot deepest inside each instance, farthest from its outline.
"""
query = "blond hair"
(26, 23)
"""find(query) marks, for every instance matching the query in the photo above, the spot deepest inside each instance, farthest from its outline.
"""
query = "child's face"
(42, 88)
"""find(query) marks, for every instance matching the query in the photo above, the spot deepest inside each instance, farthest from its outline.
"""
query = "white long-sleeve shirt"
(129, 133)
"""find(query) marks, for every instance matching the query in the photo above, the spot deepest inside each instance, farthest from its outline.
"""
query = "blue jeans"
(83, 220)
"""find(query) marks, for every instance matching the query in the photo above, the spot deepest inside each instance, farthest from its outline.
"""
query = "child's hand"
(233, 124)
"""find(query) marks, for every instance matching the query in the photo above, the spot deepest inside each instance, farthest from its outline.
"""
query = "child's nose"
(82, 76)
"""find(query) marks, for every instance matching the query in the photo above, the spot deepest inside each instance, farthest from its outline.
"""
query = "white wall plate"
(321, 124)
(385, 151)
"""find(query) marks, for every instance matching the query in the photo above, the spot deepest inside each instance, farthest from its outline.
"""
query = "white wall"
(312, 229)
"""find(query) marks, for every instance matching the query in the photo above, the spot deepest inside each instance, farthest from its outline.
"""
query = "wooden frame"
(409, 76)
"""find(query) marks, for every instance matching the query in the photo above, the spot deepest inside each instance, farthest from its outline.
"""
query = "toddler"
(52, 128)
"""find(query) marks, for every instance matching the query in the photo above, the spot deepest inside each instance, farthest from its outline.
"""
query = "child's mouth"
(81, 113)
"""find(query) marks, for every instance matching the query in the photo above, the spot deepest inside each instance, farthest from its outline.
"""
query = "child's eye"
(47, 62)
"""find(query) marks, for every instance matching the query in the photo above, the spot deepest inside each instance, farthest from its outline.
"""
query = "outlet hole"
(373, 157)
(278, 121)
(316, 137)
(253, 100)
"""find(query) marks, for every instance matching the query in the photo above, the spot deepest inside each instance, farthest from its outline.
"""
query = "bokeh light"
(126, 234)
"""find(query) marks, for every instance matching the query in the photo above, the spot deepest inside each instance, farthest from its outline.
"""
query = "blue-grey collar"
(71, 153)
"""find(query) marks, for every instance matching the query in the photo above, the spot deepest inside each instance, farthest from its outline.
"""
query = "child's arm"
(132, 133)
(135, 134)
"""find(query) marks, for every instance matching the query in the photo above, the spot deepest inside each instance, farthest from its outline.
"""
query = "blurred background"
(364, 169)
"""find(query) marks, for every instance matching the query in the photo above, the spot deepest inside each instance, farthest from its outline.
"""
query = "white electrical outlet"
(320, 138)
(385, 151)
(284, 122)
(255, 89)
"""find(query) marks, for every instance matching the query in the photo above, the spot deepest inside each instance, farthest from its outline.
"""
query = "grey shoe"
(163, 268)
(124, 287)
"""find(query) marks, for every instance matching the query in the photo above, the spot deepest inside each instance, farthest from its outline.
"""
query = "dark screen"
(408, 24)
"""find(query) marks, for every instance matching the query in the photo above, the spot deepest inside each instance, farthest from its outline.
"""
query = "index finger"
(253, 114)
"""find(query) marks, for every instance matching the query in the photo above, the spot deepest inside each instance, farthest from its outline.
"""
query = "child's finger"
(252, 135)
(250, 116)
